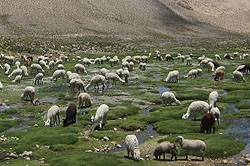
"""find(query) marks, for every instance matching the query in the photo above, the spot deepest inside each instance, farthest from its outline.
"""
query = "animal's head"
(137, 154)
(185, 116)
(179, 139)
(47, 123)
(92, 118)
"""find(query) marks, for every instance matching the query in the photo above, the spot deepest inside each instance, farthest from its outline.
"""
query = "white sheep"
(6, 67)
(84, 100)
(17, 79)
(212, 99)
(43, 64)
(192, 145)
(119, 72)
(29, 93)
(173, 76)
(217, 57)
(192, 73)
(211, 65)
(24, 71)
(60, 66)
(238, 77)
(71, 76)
(245, 56)
(132, 146)
(79, 68)
(104, 72)
(76, 83)
(196, 109)
(15, 72)
(189, 61)
(39, 79)
(216, 112)
(96, 80)
(36, 68)
(142, 66)
(113, 77)
(125, 74)
(58, 73)
(169, 98)
(52, 64)
(101, 115)
(53, 116)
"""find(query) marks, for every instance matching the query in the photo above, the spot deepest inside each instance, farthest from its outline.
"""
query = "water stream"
(143, 135)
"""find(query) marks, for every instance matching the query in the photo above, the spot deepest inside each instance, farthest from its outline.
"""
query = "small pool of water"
(4, 108)
(162, 89)
(48, 100)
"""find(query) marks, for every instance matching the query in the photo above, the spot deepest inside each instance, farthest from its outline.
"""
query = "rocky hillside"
(161, 18)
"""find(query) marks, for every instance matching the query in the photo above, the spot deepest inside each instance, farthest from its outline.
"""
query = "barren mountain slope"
(112, 17)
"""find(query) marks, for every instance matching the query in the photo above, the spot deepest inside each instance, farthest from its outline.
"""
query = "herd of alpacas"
(204, 110)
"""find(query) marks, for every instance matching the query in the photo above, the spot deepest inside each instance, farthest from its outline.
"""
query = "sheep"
(84, 100)
(245, 69)
(79, 68)
(169, 57)
(53, 116)
(195, 109)
(60, 66)
(17, 79)
(119, 72)
(16, 72)
(101, 115)
(192, 73)
(181, 57)
(132, 146)
(86, 62)
(238, 77)
(43, 64)
(29, 93)
(208, 123)
(96, 80)
(211, 65)
(245, 56)
(219, 74)
(169, 98)
(70, 115)
(142, 66)
(212, 99)
(52, 64)
(76, 83)
(59, 61)
(24, 71)
(39, 79)
(216, 112)
(173, 76)
(36, 68)
(192, 145)
(114, 77)
(6, 67)
(125, 74)
(103, 72)
(217, 57)
(71, 76)
(165, 147)
(220, 68)
(228, 56)
(189, 61)
(58, 73)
